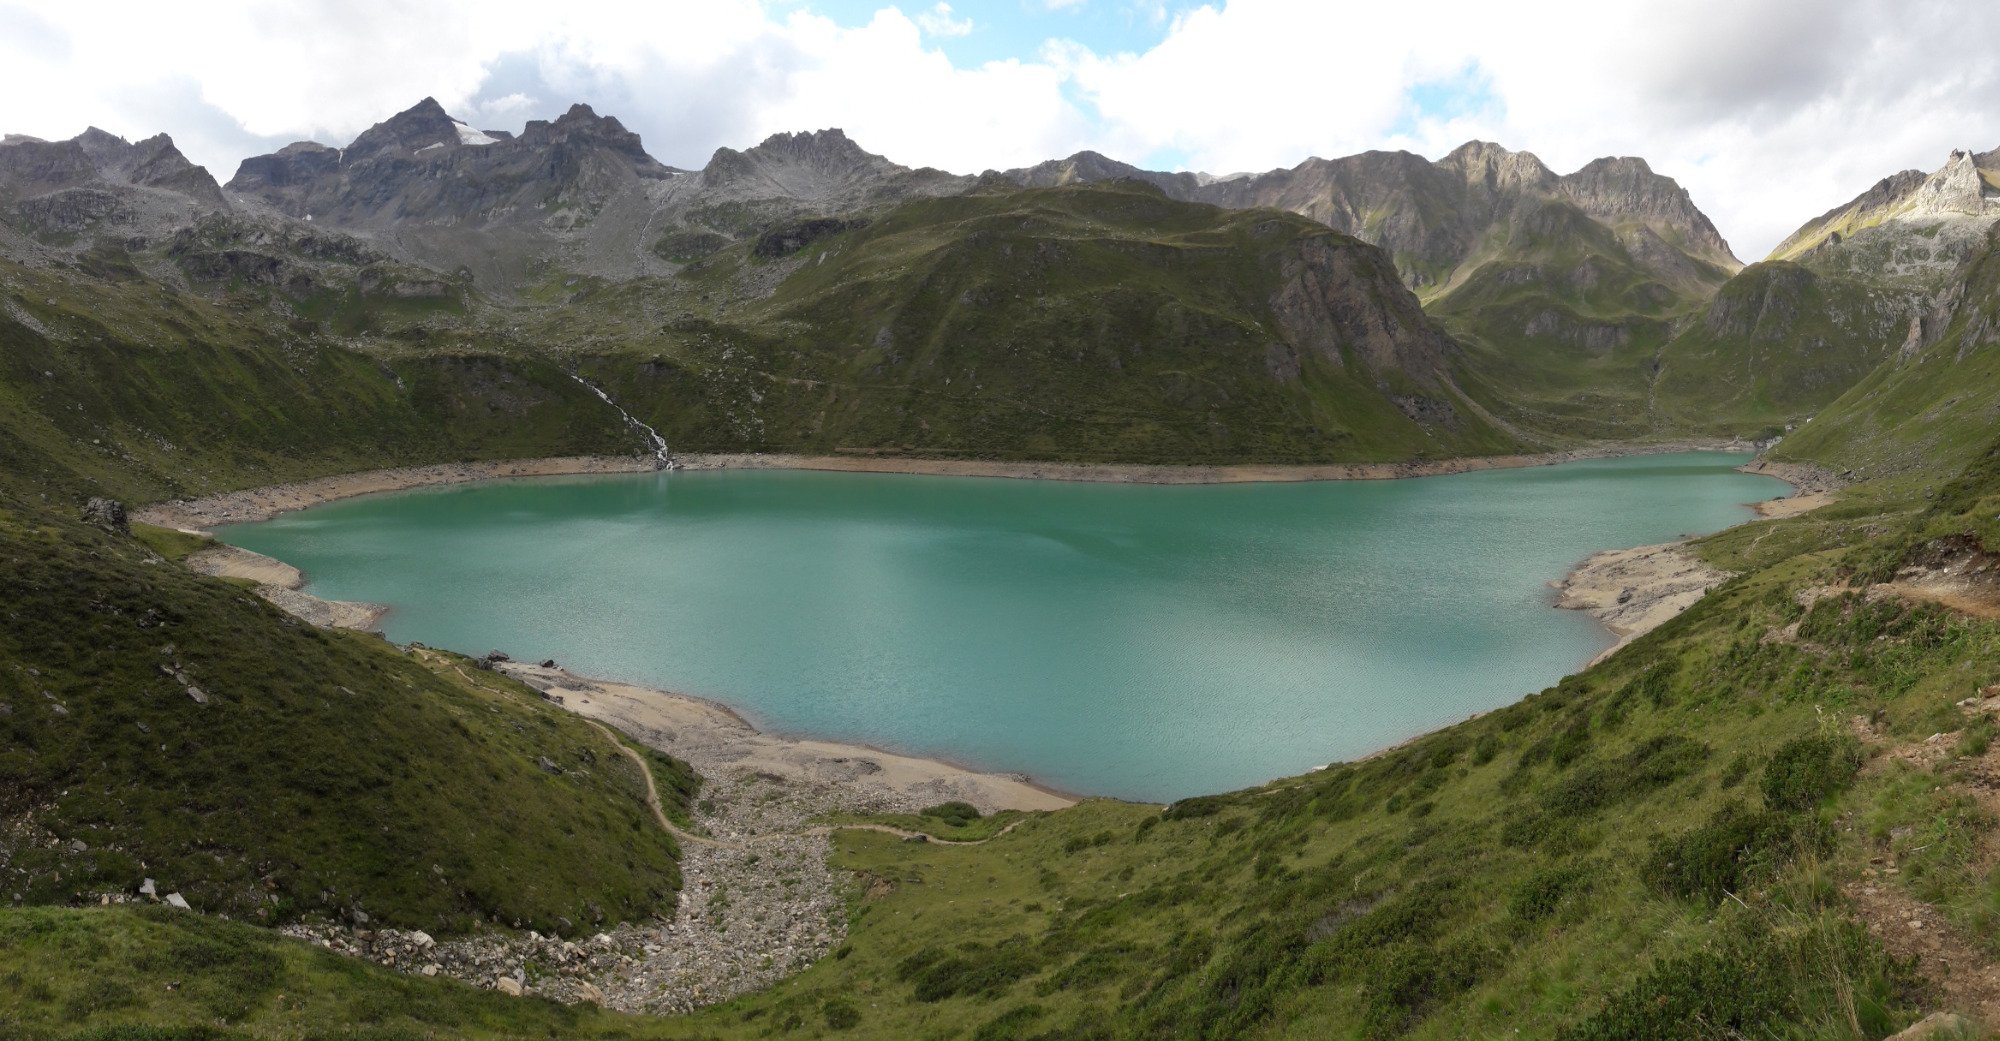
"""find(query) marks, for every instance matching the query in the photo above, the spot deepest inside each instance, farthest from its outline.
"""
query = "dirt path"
(1966, 975)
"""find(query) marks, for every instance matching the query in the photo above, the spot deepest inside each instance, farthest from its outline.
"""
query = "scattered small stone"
(547, 764)
(78, 846)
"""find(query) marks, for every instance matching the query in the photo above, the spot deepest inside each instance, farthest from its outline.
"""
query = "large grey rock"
(108, 514)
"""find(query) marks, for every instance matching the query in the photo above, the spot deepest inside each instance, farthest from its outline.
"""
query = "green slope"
(1660, 847)
(1101, 322)
(156, 723)
(111, 383)
(1928, 408)
(1777, 344)
(1565, 322)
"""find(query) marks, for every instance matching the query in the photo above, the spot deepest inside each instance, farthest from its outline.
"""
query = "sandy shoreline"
(284, 586)
(718, 742)
(1633, 591)
(1812, 487)
(260, 504)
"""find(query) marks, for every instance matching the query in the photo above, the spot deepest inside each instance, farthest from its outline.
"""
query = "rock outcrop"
(1910, 230)
(97, 185)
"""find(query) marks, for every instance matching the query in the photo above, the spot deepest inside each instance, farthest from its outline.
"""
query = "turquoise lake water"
(1137, 641)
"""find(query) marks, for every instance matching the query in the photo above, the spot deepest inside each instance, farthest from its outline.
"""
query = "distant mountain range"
(1599, 304)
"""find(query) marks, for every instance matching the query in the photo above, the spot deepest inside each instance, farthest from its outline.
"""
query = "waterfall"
(662, 460)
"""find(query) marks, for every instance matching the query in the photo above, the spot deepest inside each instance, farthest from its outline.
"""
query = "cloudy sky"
(1769, 111)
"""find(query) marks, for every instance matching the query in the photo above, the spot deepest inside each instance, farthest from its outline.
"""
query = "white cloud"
(1770, 111)
(938, 22)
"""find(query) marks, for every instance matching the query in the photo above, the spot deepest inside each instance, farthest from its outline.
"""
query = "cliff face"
(1341, 300)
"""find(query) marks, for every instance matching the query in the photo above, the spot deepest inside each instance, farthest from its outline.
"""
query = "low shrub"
(1805, 771)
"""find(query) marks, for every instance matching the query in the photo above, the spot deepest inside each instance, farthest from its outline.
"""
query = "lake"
(1147, 642)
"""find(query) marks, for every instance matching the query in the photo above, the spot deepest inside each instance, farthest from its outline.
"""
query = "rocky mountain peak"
(796, 164)
(831, 144)
(102, 146)
(1088, 166)
(419, 126)
(1957, 188)
(1500, 170)
(582, 126)
(1625, 187)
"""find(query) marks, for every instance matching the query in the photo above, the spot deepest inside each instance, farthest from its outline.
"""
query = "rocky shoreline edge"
(1633, 591)
(263, 503)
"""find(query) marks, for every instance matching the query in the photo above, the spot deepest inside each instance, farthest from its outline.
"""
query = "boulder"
(177, 900)
(108, 514)
(507, 985)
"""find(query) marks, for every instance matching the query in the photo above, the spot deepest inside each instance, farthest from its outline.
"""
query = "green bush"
(956, 814)
(1730, 850)
(1721, 993)
(840, 1014)
(1543, 892)
(1804, 771)
(975, 970)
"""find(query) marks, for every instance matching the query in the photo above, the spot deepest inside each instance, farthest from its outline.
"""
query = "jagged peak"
(1627, 164)
(428, 108)
(1498, 166)
(828, 137)
(1478, 150)
(97, 136)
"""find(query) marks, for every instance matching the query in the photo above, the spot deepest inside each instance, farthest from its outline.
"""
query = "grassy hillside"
(1928, 408)
(158, 724)
(111, 383)
(1565, 321)
(1101, 322)
(1777, 344)
(1690, 840)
